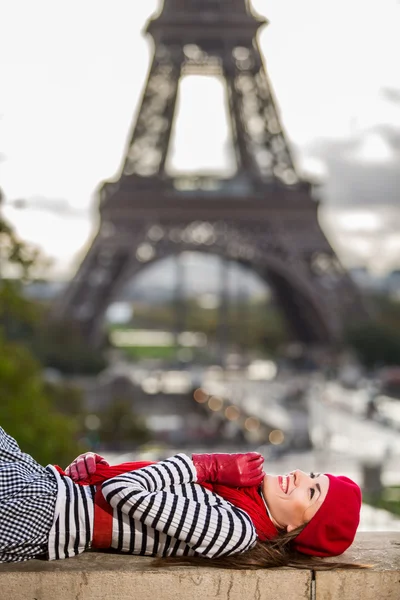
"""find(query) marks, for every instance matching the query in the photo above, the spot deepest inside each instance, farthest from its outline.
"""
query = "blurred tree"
(66, 398)
(18, 262)
(58, 345)
(377, 342)
(17, 258)
(28, 413)
(120, 427)
(27, 410)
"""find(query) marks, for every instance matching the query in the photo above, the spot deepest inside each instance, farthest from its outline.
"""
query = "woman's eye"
(312, 492)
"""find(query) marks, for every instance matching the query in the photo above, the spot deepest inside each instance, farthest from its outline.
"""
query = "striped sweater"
(159, 510)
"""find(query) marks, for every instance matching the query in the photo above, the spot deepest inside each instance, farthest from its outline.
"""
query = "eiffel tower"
(264, 216)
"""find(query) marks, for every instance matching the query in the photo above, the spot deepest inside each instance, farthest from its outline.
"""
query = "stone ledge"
(98, 576)
(381, 582)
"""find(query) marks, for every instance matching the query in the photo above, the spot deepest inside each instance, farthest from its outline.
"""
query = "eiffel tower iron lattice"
(263, 216)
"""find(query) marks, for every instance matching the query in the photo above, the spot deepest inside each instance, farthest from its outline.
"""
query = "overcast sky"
(71, 77)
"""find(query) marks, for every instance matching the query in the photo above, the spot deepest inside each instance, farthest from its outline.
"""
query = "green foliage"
(58, 345)
(27, 412)
(389, 499)
(377, 342)
(67, 399)
(18, 257)
(18, 316)
(30, 409)
(150, 352)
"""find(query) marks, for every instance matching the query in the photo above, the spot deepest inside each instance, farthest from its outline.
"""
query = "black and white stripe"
(160, 510)
(72, 529)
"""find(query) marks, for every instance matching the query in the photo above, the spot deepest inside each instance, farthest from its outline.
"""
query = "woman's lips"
(283, 481)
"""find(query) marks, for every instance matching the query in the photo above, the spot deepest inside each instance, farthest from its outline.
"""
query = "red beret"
(333, 527)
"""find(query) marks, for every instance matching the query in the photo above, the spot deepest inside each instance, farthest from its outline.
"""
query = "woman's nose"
(299, 477)
(296, 477)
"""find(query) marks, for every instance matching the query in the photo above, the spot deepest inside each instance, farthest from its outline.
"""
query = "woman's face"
(294, 499)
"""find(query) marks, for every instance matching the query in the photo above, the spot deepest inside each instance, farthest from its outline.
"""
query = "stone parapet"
(101, 576)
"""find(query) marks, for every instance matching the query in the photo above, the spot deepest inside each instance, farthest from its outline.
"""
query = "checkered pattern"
(27, 502)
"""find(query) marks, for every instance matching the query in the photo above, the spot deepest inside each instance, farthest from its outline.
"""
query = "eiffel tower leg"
(103, 272)
(260, 138)
(290, 253)
(147, 150)
(244, 158)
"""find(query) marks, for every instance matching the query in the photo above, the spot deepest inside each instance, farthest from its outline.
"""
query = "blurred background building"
(234, 281)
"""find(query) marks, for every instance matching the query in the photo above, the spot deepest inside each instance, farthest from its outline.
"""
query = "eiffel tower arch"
(263, 216)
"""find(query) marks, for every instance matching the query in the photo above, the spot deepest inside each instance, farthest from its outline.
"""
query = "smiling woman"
(293, 515)
(314, 516)
(220, 507)
(295, 498)
(326, 506)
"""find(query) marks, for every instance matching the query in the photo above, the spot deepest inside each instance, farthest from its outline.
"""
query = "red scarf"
(246, 498)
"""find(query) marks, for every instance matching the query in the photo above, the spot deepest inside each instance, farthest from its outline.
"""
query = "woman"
(185, 507)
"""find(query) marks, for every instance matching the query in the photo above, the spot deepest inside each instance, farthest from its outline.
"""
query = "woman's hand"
(84, 465)
(234, 470)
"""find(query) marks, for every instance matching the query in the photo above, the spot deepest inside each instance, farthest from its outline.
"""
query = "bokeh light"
(200, 396)
(215, 403)
(276, 437)
(252, 424)
(92, 422)
(232, 413)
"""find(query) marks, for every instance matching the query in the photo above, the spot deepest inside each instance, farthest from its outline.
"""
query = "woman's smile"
(294, 498)
(284, 482)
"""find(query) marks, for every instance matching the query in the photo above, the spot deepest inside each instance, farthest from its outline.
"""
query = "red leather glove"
(234, 470)
(84, 465)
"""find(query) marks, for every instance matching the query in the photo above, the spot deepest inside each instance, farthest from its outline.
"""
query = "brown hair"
(278, 552)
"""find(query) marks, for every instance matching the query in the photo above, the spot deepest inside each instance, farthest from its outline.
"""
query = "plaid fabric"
(27, 501)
